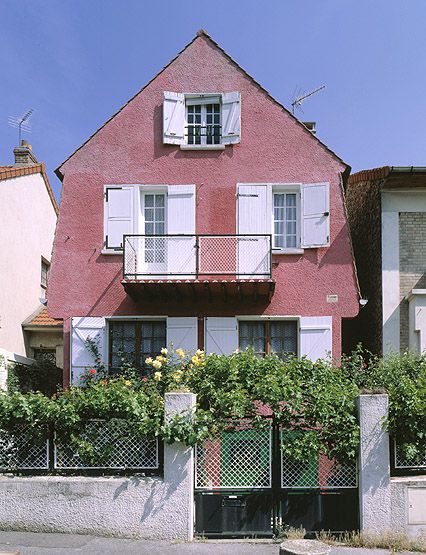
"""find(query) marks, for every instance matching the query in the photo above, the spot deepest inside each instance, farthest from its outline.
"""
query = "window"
(45, 265)
(285, 221)
(203, 124)
(154, 224)
(45, 355)
(279, 337)
(201, 119)
(131, 342)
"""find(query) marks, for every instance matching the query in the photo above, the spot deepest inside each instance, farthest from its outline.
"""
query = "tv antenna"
(22, 123)
(297, 102)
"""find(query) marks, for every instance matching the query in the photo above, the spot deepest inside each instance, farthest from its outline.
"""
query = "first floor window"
(285, 220)
(45, 265)
(155, 224)
(279, 337)
(131, 342)
(45, 355)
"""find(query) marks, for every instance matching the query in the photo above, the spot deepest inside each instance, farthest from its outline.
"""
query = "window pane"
(252, 334)
(284, 338)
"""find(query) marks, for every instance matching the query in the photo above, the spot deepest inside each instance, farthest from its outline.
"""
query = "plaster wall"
(400, 487)
(274, 148)
(48, 340)
(27, 226)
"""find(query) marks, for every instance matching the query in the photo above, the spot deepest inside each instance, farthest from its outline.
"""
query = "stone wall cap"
(304, 547)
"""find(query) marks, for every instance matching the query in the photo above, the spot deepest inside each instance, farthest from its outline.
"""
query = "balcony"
(195, 266)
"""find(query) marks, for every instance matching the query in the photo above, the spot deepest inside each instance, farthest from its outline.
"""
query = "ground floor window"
(266, 337)
(131, 342)
(43, 354)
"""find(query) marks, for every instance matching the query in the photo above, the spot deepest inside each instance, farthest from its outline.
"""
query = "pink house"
(202, 215)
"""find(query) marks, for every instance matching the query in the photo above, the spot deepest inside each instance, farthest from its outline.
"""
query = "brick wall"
(412, 263)
(363, 203)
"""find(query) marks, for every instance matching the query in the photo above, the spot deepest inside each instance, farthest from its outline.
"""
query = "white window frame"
(203, 100)
(257, 318)
(290, 189)
(149, 190)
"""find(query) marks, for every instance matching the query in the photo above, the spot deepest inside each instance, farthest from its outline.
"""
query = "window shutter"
(315, 337)
(173, 118)
(81, 358)
(181, 253)
(182, 333)
(118, 215)
(254, 213)
(315, 215)
(231, 118)
(221, 335)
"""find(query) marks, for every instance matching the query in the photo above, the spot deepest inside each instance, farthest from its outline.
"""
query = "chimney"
(24, 154)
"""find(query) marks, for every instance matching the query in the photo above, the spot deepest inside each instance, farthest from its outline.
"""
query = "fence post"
(374, 465)
(179, 466)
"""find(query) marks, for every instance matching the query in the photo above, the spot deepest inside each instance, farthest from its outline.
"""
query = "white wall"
(27, 226)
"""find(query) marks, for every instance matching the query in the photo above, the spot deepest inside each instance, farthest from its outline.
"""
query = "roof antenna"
(297, 102)
(21, 123)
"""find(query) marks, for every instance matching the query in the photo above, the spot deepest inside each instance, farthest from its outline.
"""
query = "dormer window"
(195, 120)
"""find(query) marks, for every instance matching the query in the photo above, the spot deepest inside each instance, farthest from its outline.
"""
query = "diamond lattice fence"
(25, 449)
(240, 458)
(111, 446)
(409, 458)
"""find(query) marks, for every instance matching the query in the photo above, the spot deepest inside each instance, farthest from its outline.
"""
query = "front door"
(152, 250)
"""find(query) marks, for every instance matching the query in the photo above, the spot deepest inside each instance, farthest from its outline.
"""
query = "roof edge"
(201, 33)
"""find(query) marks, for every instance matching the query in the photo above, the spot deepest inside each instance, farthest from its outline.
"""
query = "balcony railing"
(197, 257)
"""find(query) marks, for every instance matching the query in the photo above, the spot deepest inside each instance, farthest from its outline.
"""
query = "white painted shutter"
(118, 215)
(181, 252)
(254, 212)
(315, 215)
(221, 335)
(182, 333)
(315, 337)
(173, 118)
(231, 118)
(84, 328)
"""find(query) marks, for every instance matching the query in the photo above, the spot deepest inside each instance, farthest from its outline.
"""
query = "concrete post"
(374, 465)
(179, 464)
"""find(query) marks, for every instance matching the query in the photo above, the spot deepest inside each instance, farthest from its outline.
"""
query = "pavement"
(31, 543)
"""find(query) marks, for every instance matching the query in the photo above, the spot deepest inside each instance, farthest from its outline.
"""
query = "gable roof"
(40, 318)
(203, 33)
(9, 172)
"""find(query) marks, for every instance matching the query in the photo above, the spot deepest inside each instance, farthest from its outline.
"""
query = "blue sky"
(77, 61)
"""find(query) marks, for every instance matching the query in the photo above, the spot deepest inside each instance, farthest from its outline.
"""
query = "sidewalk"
(29, 543)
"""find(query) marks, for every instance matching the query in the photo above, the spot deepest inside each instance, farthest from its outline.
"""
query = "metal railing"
(197, 256)
(407, 458)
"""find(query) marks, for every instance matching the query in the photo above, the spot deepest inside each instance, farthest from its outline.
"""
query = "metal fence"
(319, 472)
(406, 458)
(197, 256)
(239, 458)
(107, 446)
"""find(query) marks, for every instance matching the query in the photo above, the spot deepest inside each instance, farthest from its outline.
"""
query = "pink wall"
(129, 149)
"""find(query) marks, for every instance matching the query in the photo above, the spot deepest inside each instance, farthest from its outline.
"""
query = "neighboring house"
(387, 215)
(206, 217)
(44, 337)
(28, 213)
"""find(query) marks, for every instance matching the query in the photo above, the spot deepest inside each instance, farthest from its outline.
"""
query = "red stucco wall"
(129, 149)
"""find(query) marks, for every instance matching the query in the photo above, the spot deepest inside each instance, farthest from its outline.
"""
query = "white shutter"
(81, 358)
(221, 335)
(173, 118)
(315, 215)
(254, 213)
(118, 215)
(231, 118)
(182, 333)
(315, 337)
(181, 252)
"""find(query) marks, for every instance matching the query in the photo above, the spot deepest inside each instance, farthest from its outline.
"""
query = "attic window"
(201, 120)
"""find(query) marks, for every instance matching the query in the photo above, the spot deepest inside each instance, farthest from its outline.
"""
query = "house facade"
(201, 215)
(27, 225)
(387, 215)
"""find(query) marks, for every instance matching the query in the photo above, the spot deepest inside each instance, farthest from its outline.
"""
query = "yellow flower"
(164, 351)
(157, 365)
(157, 376)
(128, 383)
(148, 360)
(177, 376)
(160, 358)
(197, 360)
(180, 353)
(200, 353)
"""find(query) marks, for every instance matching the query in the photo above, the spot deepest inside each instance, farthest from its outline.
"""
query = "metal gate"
(246, 486)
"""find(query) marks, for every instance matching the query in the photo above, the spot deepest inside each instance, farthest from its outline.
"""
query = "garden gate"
(245, 486)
